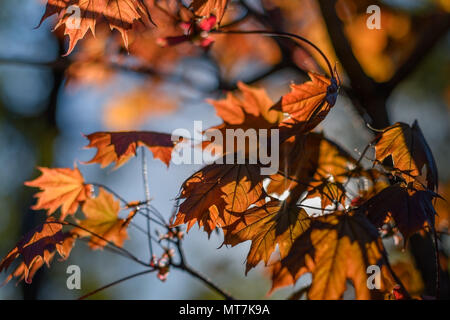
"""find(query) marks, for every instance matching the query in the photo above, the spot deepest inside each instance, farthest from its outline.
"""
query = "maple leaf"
(312, 164)
(247, 109)
(23, 272)
(210, 7)
(411, 209)
(119, 147)
(61, 187)
(37, 247)
(120, 15)
(216, 194)
(102, 219)
(308, 103)
(274, 223)
(54, 7)
(409, 151)
(337, 247)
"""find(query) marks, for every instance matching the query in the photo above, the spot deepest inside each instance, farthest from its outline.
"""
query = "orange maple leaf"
(61, 187)
(37, 247)
(337, 247)
(102, 221)
(409, 151)
(314, 164)
(119, 147)
(307, 103)
(250, 109)
(274, 223)
(120, 15)
(218, 193)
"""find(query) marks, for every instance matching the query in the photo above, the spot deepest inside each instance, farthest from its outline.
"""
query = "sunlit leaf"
(120, 15)
(37, 247)
(61, 187)
(119, 147)
(337, 248)
(102, 219)
(271, 225)
(409, 151)
(217, 193)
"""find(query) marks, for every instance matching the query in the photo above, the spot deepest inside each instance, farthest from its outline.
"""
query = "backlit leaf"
(308, 103)
(409, 151)
(411, 209)
(119, 147)
(336, 248)
(102, 219)
(217, 193)
(271, 225)
(313, 164)
(61, 187)
(37, 247)
(120, 15)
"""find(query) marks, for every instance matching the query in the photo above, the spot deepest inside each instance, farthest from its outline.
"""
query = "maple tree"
(324, 212)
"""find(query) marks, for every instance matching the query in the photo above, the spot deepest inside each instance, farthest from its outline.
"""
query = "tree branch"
(183, 266)
(343, 48)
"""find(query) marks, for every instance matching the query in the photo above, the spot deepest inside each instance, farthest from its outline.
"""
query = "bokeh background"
(47, 101)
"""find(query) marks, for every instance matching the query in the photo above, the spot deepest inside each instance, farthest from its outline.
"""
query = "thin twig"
(128, 253)
(147, 198)
(147, 216)
(185, 267)
(99, 185)
(205, 280)
(116, 282)
(280, 35)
